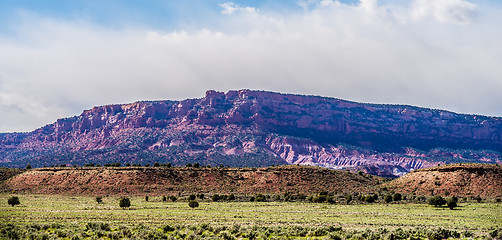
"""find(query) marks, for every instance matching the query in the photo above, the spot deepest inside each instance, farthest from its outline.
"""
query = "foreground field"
(76, 213)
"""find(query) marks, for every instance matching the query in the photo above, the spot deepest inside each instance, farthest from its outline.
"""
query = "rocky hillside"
(168, 181)
(255, 128)
(483, 180)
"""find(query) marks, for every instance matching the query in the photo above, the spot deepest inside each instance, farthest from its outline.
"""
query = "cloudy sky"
(59, 57)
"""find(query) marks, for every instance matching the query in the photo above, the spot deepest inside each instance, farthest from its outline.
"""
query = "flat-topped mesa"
(295, 128)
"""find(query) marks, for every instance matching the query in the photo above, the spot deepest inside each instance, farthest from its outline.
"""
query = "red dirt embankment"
(465, 179)
(162, 181)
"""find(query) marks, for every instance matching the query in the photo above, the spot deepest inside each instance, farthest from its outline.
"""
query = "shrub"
(99, 199)
(215, 198)
(251, 199)
(260, 198)
(388, 199)
(173, 198)
(348, 198)
(28, 166)
(193, 204)
(397, 197)
(125, 202)
(191, 197)
(146, 198)
(200, 196)
(156, 164)
(451, 204)
(196, 165)
(164, 198)
(437, 201)
(13, 201)
(231, 197)
(369, 199)
(478, 199)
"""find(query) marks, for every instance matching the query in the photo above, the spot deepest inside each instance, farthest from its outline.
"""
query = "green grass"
(78, 210)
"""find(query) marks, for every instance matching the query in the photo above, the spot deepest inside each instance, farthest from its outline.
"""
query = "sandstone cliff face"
(257, 128)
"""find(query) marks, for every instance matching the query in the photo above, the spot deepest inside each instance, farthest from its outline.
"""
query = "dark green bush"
(193, 204)
(388, 199)
(124, 202)
(260, 198)
(99, 199)
(13, 201)
(215, 198)
(397, 197)
(191, 197)
(437, 201)
(173, 198)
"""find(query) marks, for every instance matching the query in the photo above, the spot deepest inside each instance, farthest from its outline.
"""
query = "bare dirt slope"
(484, 180)
(163, 181)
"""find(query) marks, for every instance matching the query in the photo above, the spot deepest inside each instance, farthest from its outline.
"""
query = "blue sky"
(58, 58)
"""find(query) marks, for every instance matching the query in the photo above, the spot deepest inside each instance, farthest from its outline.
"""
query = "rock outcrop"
(256, 128)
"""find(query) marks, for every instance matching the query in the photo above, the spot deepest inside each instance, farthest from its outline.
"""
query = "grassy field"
(476, 218)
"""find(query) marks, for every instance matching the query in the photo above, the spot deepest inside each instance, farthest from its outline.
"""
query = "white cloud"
(446, 11)
(56, 69)
(230, 8)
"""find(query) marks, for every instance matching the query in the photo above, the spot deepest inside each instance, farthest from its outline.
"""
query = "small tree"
(125, 202)
(215, 198)
(437, 201)
(388, 199)
(13, 201)
(260, 198)
(451, 204)
(193, 204)
(397, 197)
(173, 198)
(164, 198)
(191, 197)
(146, 198)
(348, 198)
(99, 199)
(231, 197)
(196, 165)
(28, 166)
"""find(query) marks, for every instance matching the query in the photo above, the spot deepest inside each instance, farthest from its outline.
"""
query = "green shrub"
(13, 201)
(146, 198)
(164, 198)
(348, 198)
(388, 199)
(124, 202)
(191, 197)
(99, 199)
(260, 198)
(215, 198)
(28, 166)
(193, 204)
(437, 201)
(397, 197)
(231, 197)
(173, 198)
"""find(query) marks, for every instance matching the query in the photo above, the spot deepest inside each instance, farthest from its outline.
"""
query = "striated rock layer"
(452, 180)
(256, 128)
(168, 181)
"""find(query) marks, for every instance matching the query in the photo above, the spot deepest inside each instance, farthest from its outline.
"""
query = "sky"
(59, 57)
